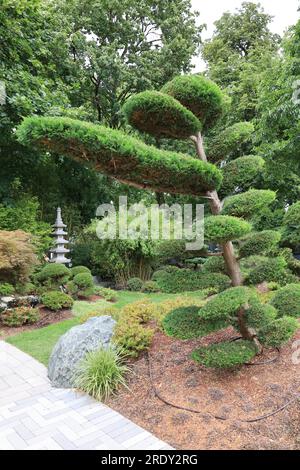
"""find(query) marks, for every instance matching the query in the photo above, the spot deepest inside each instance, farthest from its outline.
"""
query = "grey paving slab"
(36, 416)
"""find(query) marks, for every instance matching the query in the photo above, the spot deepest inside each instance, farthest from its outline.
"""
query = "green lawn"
(39, 343)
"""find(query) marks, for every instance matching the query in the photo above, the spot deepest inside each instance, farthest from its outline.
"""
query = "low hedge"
(287, 301)
(120, 156)
(184, 280)
(150, 287)
(225, 355)
(20, 316)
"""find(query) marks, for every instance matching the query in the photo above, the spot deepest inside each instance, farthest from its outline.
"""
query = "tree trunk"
(231, 262)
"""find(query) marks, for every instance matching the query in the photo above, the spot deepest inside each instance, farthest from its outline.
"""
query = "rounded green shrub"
(279, 332)
(101, 373)
(241, 173)
(185, 280)
(53, 274)
(135, 284)
(259, 243)
(248, 204)
(271, 269)
(225, 305)
(229, 143)
(185, 323)
(83, 280)
(259, 315)
(160, 115)
(287, 301)
(79, 269)
(6, 289)
(56, 300)
(225, 355)
(150, 286)
(291, 223)
(20, 316)
(214, 264)
(200, 95)
(121, 156)
(224, 228)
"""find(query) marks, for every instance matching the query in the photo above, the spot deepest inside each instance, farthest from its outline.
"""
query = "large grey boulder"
(73, 346)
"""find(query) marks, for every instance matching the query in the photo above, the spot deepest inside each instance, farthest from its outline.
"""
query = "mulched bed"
(47, 317)
(234, 396)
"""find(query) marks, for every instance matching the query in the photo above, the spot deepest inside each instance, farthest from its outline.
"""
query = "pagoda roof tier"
(59, 250)
(59, 232)
(61, 241)
(62, 260)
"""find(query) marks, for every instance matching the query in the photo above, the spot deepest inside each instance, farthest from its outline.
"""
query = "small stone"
(179, 361)
(247, 407)
(193, 382)
(215, 394)
(157, 419)
(190, 369)
(180, 418)
(274, 387)
(193, 400)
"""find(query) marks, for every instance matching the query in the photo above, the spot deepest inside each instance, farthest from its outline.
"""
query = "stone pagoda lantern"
(58, 253)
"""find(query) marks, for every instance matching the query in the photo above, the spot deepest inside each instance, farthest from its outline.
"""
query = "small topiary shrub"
(151, 287)
(224, 228)
(259, 243)
(108, 294)
(278, 332)
(132, 337)
(271, 269)
(248, 204)
(78, 270)
(26, 289)
(162, 309)
(135, 284)
(226, 304)
(214, 264)
(6, 289)
(287, 301)
(260, 315)
(101, 373)
(140, 311)
(83, 280)
(241, 173)
(225, 355)
(53, 275)
(20, 316)
(56, 300)
(185, 323)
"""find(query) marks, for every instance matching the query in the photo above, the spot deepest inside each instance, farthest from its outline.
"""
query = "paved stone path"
(34, 415)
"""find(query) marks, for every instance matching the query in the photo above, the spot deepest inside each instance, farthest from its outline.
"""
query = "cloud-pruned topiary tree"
(186, 108)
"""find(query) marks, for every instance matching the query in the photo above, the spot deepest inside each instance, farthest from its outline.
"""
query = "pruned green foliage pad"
(225, 355)
(160, 115)
(279, 332)
(241, 173)
(248, 204)
(287, 301)
(200, 95)
(224, 228)
(184, 323)
(225, 305)
(268, 269)
(120, 156)
(259, 243)
(260, 316)
(228, 143)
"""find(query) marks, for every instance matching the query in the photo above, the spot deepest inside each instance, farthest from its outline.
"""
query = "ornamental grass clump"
(101, 373)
